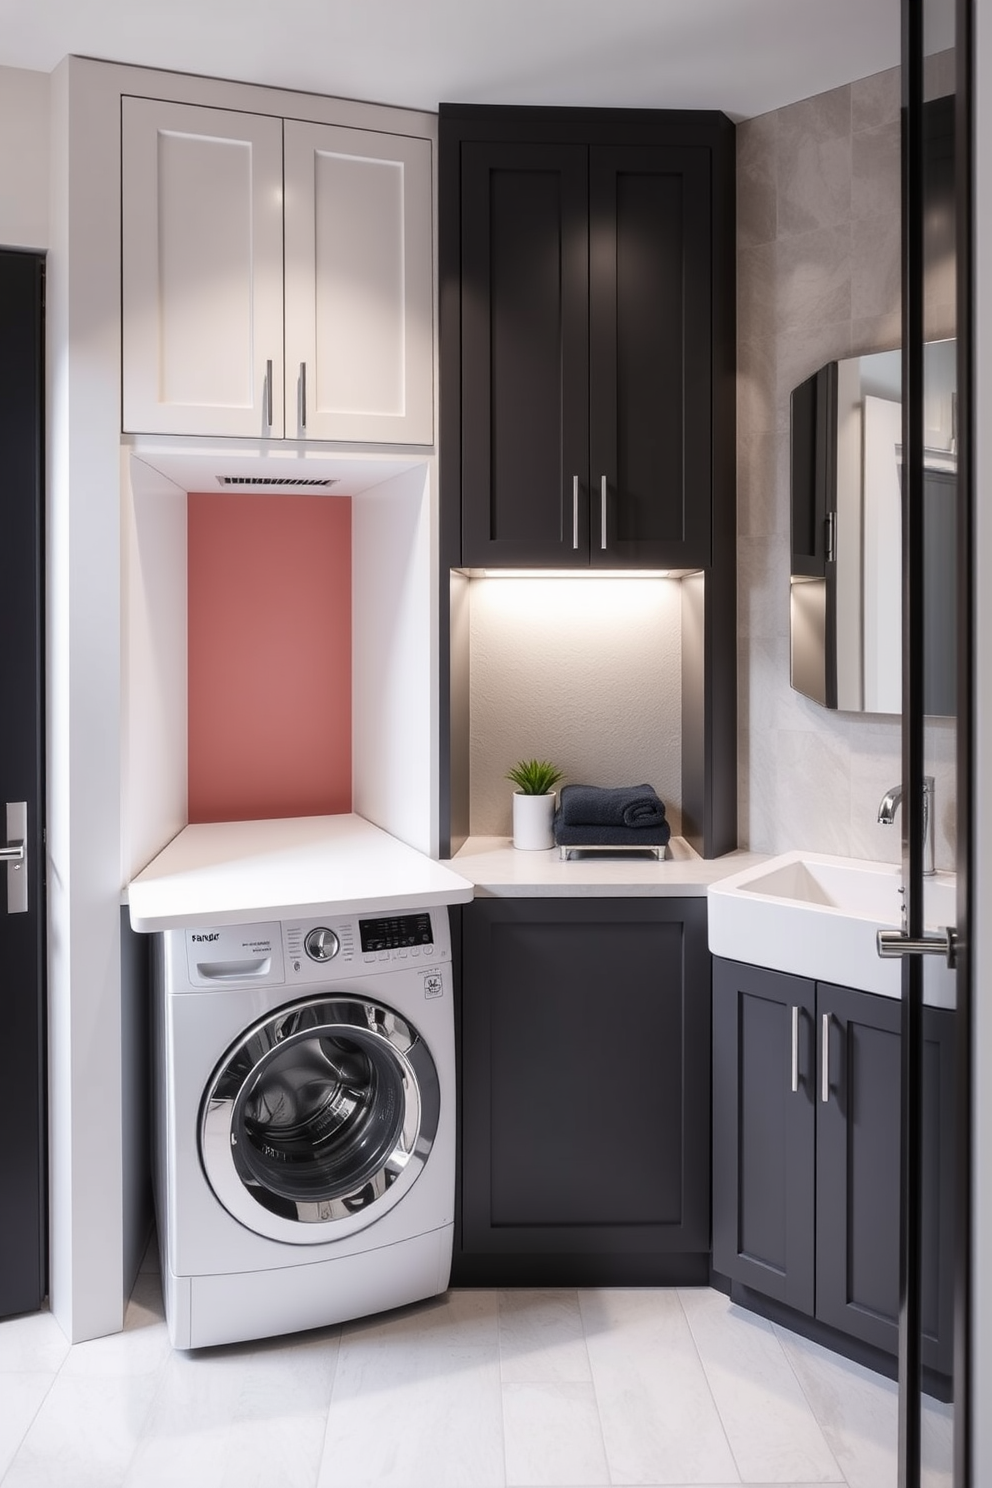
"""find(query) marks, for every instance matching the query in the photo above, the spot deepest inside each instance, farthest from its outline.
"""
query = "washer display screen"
(396, 933)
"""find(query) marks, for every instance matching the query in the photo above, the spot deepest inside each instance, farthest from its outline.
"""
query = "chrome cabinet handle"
(303, 395)
(15, 854)
(575, 512)
(795, 1049)
(891, 943)
(825, 1061)
(268, 393)
(602, 514)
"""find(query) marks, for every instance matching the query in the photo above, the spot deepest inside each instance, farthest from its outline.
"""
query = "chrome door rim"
(393, 1046)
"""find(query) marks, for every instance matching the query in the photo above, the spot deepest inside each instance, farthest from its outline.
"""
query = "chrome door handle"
(892, 943)
(15, 855)
(602, 514)
(825, 1061)
(795, 1049)
(575, 512)
(303, 395)
(268, 393)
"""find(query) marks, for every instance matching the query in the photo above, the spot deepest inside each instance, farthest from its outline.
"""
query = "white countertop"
(233, 873)
(500, 870)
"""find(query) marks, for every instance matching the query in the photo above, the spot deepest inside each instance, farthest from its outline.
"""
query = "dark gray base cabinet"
(585, 1102)
(806, 1150)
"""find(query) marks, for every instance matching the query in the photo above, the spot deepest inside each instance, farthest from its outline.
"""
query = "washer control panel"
(315, 950)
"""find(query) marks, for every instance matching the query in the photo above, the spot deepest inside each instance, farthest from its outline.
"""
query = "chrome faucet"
(887, 815)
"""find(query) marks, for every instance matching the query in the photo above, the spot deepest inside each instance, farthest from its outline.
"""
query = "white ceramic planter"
(532, 821)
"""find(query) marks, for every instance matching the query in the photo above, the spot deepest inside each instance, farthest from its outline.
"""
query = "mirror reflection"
(846, 581)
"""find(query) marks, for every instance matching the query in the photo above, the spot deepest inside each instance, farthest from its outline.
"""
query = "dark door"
(857, 1164)
(22, 901)
(764, 1117)
(525, 355)
(650, 365)
(585, 1033)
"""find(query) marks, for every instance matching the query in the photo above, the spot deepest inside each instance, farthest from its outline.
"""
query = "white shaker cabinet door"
(202, 270)
(359, 276)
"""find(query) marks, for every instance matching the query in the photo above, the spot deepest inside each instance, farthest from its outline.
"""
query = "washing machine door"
(319, 1119)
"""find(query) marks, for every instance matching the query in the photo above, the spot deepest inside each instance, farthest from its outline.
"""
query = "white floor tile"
(772, 1430)
(541, 1337)
(417, 1400)
(247, 1416)
(32, 1343)
(856, 1408)
(21, 1397)
(660, 1422)
(553, 1435)
(85, 1433)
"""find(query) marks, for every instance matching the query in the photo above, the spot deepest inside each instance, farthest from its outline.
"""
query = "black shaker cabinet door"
(857, 1161)
(585, 1098)
(650, 370)
(764, 1130)
(525, 354)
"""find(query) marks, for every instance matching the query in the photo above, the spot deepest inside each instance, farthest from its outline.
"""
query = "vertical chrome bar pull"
(795, 1049)
(268, 393)
(602, 514)
(303, 395)
(15, 855)
(575, 513)
(825, 1061)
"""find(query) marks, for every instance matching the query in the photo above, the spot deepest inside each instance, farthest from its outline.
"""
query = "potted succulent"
(534, 803)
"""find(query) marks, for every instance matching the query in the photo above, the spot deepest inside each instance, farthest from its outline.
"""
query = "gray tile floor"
(478, 1389)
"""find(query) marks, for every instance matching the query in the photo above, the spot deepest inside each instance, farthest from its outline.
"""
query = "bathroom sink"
(816, 916)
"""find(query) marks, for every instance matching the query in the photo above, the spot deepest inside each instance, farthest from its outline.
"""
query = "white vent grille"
(273, 480)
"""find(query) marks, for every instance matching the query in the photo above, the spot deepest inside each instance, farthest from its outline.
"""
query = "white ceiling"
(743, 56)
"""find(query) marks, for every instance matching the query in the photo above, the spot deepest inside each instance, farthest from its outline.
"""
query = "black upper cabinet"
(577, 323)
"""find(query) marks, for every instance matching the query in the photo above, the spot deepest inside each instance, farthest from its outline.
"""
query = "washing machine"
(304, 1121)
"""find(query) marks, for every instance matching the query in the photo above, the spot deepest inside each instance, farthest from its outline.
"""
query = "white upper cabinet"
(359, 310)
(202, 270)
(222, 333)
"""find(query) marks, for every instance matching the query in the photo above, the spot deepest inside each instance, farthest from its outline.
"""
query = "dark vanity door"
(764, 1138)
(525, 355)
(650, 371)
(857, 1166)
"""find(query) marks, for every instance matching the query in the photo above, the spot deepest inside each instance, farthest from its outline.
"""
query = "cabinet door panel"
(359, 301)
(857, 1232)
(585, 1093)
(525, 355)
(202, 270)
(650, 355)
(858, 1158)
(763, 1131)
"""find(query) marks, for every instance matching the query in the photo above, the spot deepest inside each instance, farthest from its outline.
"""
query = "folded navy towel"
(581, 834)
(636, 806)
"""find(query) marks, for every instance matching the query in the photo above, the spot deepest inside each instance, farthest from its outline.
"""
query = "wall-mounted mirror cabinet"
(846, 586)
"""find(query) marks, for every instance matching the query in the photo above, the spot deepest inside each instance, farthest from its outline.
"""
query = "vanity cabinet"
(585, 323)
(806, 1153)
(584, 1079)
(277, 277)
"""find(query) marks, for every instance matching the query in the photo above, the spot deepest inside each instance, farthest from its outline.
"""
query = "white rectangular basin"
(816, 916)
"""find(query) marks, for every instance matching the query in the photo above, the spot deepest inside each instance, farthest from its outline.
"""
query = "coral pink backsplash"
(269, 615)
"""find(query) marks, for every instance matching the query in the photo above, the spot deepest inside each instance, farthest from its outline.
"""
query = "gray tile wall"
(818, 279)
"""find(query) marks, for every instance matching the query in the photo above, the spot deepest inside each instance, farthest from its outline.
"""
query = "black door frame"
(23, 1160)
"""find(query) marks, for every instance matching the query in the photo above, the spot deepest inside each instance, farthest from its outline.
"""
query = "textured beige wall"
(818, 279)
(586, 672)
(23, 158)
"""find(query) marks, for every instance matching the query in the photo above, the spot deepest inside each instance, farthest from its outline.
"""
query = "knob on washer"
(322, 944)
